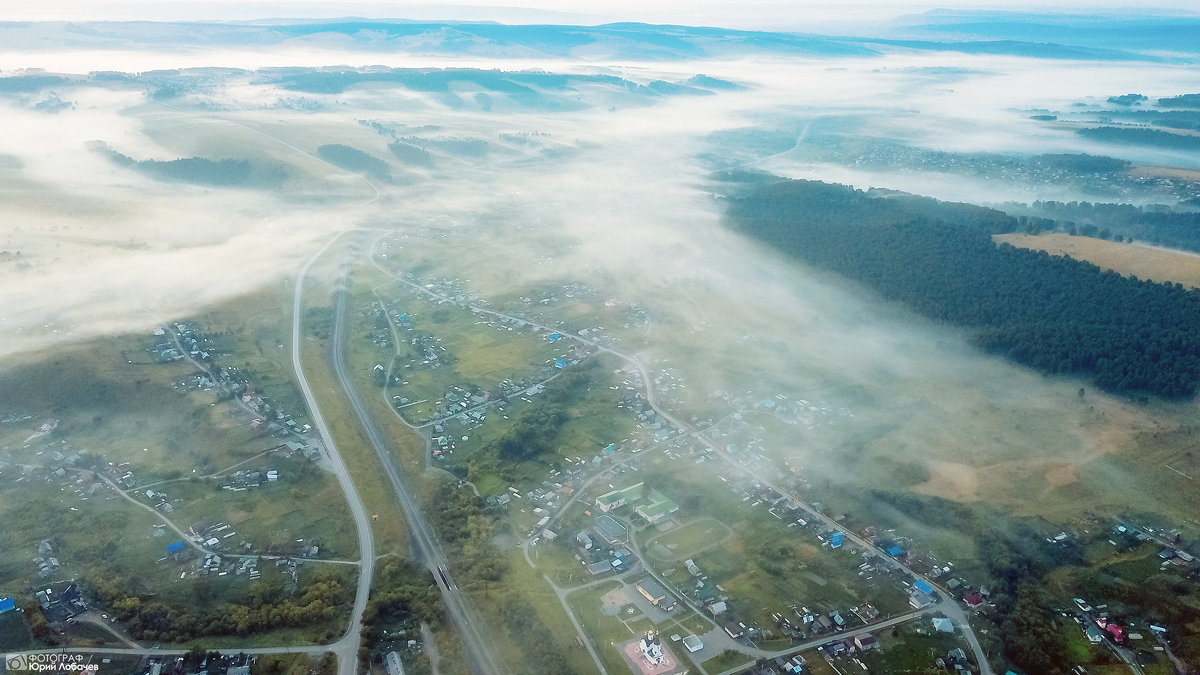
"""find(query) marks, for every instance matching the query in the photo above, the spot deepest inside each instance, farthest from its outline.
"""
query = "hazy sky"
(759, 14)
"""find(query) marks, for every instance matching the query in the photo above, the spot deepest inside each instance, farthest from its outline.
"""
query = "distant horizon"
(762, 15)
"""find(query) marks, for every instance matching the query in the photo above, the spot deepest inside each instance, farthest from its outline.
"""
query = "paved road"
(424, 542)
(347, 647)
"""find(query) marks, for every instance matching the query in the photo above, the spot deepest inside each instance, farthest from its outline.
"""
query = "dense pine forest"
(1051, 313)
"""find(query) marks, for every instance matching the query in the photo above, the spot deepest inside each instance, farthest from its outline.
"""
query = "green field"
(688, 540)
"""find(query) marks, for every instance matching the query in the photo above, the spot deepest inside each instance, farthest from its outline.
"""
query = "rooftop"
(651, 586)
(609, 528)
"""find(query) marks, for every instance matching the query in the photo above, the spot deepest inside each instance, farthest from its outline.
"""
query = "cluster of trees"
(23, 84)
(467, 534)
(1080, 163)
(1127, 99)
(1054, 314)
(1141, 136)
(1030, 637)
(266, 607)
(353, 159)
(403, 591)
(39, 627)
(535, 431)
(1181, 101)
(411, 154)
(1170, 119)
(526, 628)
(403, 597)
(319, 321)
(199, 170)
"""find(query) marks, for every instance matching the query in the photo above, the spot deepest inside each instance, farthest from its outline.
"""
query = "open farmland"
(1130, 259)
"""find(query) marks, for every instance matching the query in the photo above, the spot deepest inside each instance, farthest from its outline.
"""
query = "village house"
(656, 594)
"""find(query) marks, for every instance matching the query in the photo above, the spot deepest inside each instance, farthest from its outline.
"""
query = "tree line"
(1158, 224)
(266, 606)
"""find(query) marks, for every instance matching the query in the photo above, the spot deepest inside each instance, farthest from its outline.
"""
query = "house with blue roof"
(7, 605)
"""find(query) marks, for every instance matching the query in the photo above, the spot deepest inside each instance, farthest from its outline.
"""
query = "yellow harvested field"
(1155, 171)
(1141, 260)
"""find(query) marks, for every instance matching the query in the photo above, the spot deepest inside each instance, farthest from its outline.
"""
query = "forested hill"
(1049, 312)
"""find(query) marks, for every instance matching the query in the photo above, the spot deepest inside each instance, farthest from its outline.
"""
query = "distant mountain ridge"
(623, 40)
(1049, 36)
(1143, 32)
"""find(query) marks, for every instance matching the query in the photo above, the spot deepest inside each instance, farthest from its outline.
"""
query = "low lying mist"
(510, 190)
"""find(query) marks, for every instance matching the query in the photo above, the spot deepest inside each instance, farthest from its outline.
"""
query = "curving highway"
(346, 648)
